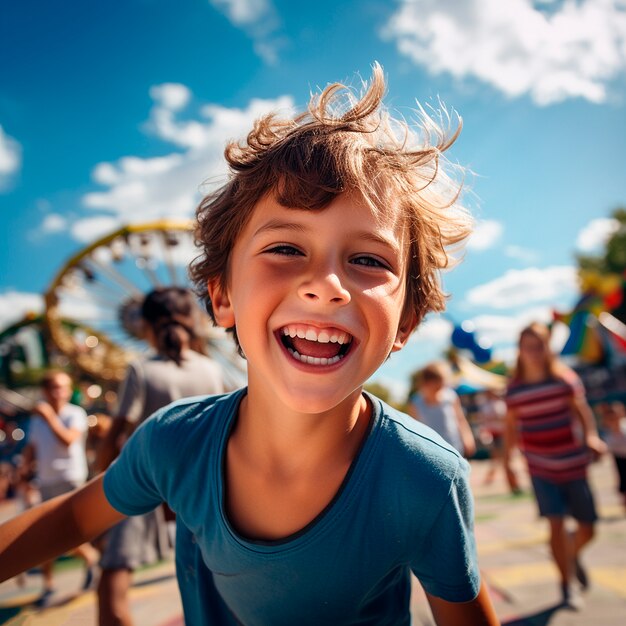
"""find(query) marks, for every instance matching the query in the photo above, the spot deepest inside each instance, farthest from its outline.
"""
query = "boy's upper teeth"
(331, 335)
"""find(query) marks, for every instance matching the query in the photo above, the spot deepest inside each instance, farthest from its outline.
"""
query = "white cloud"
(14, 305)
(593, 236)
(173, 96)
(485, 235)
(243, 12)
(548, 285)
(53, 223)
(503, 331)
(10, 159)
(526, 255)
(144, 189)
(89, 229)
(551, 52)
(258, 19)
(433, 330)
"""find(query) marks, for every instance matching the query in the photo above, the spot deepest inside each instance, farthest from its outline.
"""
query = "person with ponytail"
(547, 410)
(176, 369)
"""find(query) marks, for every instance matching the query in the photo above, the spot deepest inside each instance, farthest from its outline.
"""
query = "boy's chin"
(312, 402)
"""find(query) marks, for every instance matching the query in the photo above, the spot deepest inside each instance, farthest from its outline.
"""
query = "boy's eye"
(285, 250)
(369, 261)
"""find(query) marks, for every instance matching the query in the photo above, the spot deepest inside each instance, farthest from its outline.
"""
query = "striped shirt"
(545, 429)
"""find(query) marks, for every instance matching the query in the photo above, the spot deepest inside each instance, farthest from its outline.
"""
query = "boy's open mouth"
(315, 346)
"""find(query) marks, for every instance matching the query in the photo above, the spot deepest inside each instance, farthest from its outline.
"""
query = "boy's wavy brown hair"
(344, 144)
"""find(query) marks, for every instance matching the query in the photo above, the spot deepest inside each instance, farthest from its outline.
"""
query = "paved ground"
(513, 554)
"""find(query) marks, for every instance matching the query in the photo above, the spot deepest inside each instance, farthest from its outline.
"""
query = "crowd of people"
(279, 477)
(52, 459)
(543, 412)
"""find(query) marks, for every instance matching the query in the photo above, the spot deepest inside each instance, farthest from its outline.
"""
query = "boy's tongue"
(315, 348)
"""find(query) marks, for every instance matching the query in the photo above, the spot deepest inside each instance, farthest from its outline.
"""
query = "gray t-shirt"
(441, 416)
(153, 383)
(57, 462)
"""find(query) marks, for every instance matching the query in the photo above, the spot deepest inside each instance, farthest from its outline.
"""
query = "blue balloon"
(462, 339)
(466, 340)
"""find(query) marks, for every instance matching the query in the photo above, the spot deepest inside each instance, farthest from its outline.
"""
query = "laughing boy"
(301, 499)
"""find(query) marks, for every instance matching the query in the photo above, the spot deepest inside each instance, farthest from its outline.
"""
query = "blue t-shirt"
(404, 505)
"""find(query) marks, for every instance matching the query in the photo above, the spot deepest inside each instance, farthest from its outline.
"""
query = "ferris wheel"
(92, 306)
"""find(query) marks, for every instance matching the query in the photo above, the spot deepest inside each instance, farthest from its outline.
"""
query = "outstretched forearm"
(54, 527)
(583, 412)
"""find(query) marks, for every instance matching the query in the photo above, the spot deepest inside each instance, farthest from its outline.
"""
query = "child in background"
(492, 420)
(614, 423)
(438, 406)
(301, 499)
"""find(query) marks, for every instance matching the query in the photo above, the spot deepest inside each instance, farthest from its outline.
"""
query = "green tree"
(612, 259)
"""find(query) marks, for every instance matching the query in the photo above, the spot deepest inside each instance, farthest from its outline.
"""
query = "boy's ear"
(222, 306)
(407, 326)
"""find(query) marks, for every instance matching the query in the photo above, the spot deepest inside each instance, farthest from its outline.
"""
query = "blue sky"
(117, 112)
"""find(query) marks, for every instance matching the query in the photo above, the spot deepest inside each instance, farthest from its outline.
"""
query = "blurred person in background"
(56, 442)
(437, 405)
(10, 455)
(492, 422)
(176, 370)
(99, 426)
(613, 415)
(546, 404)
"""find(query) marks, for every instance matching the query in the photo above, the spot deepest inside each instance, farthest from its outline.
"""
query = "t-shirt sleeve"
(446, 563)
(77, 419)
(131, 482)
(131, 397)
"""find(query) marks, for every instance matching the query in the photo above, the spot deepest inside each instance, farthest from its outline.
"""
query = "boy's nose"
(327, 289)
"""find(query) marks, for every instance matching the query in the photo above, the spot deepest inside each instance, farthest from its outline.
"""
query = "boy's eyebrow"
(277, 224)
(365, 235)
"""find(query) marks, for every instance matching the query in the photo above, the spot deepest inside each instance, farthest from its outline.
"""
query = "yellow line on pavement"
(613, 578)
(518, 575)
(490, 547)
(610, 578)
(61, 615)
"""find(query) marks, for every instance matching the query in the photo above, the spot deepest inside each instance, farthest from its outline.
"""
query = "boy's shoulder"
(411, 442)
(188, 412)
(413, 465)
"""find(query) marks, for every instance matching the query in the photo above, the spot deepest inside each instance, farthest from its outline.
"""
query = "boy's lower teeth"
(313, 360)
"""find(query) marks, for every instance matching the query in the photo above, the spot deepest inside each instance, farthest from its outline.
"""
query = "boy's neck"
(279, 439)
(283, 468)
